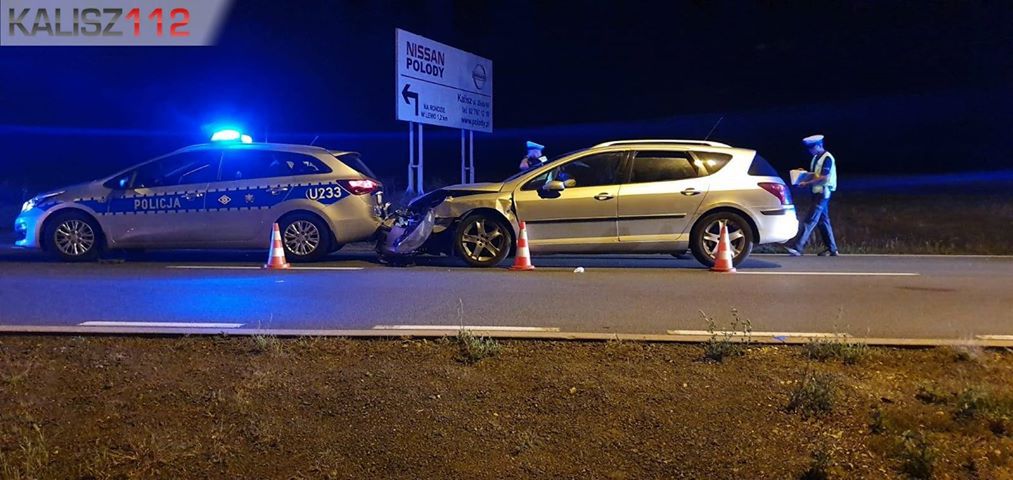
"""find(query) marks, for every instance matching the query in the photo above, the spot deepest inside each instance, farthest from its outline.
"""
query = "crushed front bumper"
(404, 233)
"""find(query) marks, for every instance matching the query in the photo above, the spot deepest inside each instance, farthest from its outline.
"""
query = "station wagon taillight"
(778, 190)
(361, 187)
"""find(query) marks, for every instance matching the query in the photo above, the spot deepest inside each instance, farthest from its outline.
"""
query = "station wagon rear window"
(761, 168)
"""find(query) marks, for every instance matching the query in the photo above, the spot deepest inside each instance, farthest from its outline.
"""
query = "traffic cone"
(276, 260)
(723, 258)
(523, 259)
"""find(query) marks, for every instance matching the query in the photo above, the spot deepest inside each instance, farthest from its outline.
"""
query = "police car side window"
(184, 168)
(196, 167)
(304, 164)
(253, 164)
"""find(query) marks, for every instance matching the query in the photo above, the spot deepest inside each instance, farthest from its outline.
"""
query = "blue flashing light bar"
(231, 135)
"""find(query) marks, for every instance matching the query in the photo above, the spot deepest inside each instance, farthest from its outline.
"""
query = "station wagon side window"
(590, 171)
(663, 166)
(252, 164)
(709, 163)
(184, 168)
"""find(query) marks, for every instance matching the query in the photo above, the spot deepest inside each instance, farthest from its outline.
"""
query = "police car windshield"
(522, 172)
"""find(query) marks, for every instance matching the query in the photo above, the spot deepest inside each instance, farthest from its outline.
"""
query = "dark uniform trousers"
(819, 215)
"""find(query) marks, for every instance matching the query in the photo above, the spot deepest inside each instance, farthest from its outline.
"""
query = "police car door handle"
(604, 196)
(277, 190)
(689, 192)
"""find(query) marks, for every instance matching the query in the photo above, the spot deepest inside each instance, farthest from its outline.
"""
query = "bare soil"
(242, 407)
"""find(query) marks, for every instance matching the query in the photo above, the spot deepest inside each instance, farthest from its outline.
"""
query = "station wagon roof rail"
(668, 141)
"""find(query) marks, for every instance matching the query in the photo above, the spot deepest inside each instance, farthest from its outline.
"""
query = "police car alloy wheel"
(483, 241)
(305, 238)
(73, 237)
(706, 235)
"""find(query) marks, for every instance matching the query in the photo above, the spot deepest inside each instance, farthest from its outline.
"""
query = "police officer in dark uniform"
(822, 182)
(534, 157)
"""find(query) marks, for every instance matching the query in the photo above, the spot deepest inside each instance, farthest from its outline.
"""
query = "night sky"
(882, 79)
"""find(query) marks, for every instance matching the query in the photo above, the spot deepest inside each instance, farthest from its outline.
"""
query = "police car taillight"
(361, 187)
(778, 190)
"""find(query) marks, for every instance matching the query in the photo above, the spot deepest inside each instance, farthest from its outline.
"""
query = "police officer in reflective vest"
(823, 182)
(534, 157)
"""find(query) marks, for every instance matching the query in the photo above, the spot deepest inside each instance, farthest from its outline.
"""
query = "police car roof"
(285, 147)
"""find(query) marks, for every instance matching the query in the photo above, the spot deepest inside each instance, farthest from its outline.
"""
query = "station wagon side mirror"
(554, 186)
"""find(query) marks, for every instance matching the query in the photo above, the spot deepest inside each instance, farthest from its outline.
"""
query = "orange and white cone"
(723, 257)
(276, 260)
(523, 259)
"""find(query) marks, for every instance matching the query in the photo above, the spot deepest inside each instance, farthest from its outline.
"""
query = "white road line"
(756, 334)
(212, 267)
(246, 267)
(835, 274)
(160, 324)
(492, 328)
(897, 255)
(326, 268)
(994, 337)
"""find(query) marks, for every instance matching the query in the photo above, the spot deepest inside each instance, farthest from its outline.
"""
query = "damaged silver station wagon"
(631, 196)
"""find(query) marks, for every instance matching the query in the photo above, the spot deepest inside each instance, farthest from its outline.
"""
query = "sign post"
(437, 84)
(411, 156)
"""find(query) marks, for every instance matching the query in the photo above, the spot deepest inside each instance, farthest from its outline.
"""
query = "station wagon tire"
(705, 233)
(73, 237)
(483, 240)
(305, 237)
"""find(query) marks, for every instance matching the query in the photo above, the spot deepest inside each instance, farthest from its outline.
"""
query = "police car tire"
(49, 237)
(459, 232)
(323, 248)
(696, 237)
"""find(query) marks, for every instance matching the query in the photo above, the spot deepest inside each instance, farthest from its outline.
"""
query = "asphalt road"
(891, 297)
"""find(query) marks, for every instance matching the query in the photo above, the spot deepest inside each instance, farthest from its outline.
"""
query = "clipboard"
(800, 175)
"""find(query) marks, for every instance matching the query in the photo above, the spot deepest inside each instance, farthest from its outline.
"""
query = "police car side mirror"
(554, 186)
(117, 183)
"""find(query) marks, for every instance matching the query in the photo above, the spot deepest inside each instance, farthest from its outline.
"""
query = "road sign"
(438, 84)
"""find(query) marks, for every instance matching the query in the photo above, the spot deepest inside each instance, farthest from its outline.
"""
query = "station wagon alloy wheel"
(74, 238)
(712, 237)
(483, 241)
(706, 235)
(301, 237)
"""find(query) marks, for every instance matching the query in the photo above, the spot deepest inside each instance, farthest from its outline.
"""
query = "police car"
(225, 194)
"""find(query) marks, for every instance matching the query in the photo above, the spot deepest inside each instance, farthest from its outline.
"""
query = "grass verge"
(226, 407)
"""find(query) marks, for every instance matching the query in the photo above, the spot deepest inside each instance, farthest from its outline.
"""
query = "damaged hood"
(436, 197)
(484, 187)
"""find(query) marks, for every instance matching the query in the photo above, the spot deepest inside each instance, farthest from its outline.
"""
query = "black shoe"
(792, 252)
(828, 253)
